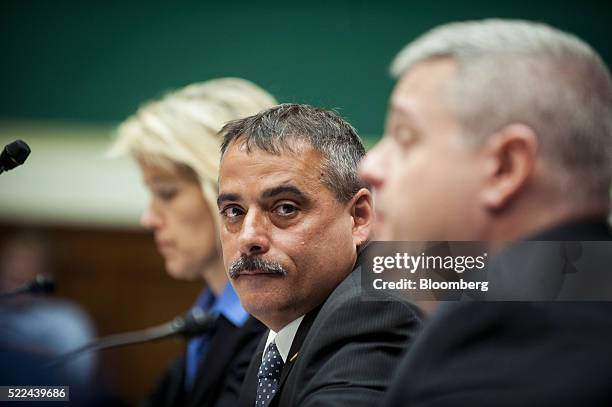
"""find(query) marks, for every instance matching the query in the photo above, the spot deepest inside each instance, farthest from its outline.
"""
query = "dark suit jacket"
(513, 353)
(220, 374)
(344, 351)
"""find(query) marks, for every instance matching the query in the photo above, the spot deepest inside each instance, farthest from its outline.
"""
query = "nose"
(149, 219)
(253, 239)
(373, 167)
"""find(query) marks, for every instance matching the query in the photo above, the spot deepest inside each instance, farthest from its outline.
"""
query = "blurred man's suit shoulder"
(513, 353)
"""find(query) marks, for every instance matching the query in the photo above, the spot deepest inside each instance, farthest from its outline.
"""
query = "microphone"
(13, 155)
(40, 285)
(195, 322)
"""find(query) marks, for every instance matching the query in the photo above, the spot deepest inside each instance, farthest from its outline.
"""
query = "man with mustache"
(294, 218)
(500, 130)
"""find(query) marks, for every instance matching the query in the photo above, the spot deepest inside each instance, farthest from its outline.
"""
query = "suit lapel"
(249, 387)
(296, 345)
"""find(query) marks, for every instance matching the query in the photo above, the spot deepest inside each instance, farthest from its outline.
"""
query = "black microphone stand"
(196, 322)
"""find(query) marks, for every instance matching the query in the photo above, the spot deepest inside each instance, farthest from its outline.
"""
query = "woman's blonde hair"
(180, 129)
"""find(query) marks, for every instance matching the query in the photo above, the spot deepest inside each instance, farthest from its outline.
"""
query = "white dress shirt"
(283, 338)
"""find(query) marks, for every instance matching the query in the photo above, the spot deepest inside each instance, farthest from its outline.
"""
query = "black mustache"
(255, 263)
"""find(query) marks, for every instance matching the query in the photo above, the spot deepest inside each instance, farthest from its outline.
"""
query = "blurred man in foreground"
(500, 130)
(294, 219)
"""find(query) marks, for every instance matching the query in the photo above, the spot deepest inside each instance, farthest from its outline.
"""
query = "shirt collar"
(227, 304)
(284, 338)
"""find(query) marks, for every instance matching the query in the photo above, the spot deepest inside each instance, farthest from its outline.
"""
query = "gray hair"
(525, 72)
(281, 127)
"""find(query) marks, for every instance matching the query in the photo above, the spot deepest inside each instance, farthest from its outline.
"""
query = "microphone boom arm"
(195, 323)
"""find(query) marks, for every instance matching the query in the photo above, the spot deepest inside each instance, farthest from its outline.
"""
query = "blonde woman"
(174, 140)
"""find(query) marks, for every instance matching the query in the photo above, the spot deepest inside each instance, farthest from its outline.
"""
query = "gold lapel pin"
(294, 357)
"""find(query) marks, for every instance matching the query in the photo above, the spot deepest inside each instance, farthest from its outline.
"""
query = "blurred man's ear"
(362, 213)
(511, 156)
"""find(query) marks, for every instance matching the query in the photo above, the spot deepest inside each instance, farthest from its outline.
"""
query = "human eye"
(403, 135)
(166, 193)
(231, 212)
(285, 209)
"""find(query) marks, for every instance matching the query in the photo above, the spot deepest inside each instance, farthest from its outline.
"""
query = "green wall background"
(97, 61)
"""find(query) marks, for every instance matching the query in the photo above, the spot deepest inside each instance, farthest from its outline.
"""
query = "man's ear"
(362, 213)
(510, 161)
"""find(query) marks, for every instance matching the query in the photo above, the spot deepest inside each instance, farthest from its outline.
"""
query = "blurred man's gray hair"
(511, 71)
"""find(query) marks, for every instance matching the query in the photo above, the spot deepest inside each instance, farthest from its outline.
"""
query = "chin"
(261, 305)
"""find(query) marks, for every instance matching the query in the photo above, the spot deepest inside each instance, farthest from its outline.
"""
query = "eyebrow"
(272, 192)
(268, 193)
(161, 179)
(227, 197)
(408, 116)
